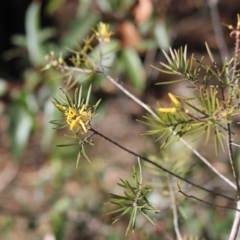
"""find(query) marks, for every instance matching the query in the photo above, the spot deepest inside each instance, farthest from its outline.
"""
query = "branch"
(160, 167)
(231, 91)
(230, 153)
(234, 232)
(214, 13)
(143, 105)
(205, 202)
(174, 208)
(181, 139)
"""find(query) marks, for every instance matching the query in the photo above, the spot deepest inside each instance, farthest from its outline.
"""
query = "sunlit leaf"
(21, 124)
(134, 68)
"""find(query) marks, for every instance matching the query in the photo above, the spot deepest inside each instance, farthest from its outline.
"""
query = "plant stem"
(230, 102)
(174, 208)
(230, 155)
(159, 166)
(216, 23)
(143, 105)
(236, 224)
(181, 139)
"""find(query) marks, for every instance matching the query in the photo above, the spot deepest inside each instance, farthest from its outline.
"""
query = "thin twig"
(235, 228)
(222, 46)
(235, 144)
(174, 208)
(236, 33)
(140, 171)
(236, 223)
(160, 167)
(205, 202)
(143, 105)
(231, 91)
(230, 155)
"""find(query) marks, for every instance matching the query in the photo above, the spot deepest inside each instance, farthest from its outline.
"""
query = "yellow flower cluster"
(53, 61)
(77, 119)
(102, 33)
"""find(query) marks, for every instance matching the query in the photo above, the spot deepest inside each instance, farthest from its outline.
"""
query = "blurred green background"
(42, 194)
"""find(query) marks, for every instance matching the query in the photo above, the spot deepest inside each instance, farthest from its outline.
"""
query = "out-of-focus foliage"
(50, 198)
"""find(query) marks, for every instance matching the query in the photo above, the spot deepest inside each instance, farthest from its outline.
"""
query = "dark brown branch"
(160, 167)
(230, 153)
(205, 202)
(236, 33)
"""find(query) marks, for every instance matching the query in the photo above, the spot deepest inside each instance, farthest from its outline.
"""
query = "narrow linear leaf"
(167, 57)
(117, 211)
(79, 97)
(134, 68)
(88, 94)
(129, 224)
(84, 153)
(78, 159)
(148, 218)
(171, 82)
(67, 145)
(209, 52)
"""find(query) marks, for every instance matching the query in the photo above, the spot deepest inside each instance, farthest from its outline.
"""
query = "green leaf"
(21, 124)
(125, 211)
(84, 153)
(108, 52)
(196, 108)
(62, 205)
(220, 137)
(171, 82)
(67, 145)
(32, 33)
(46, 34)
(132, 220)
(209, 52)
(167, 57)
(78, 30)
(79, 97)
(183, 213)
(19, 40)
(78, 159)
(161, 35)
(3, 87)
(170, 67)
(69, 100)
(53, 5)
(118, 210)
(148, 218)
(208, 133)
(88, 94)
(50, 112)
(134, 68)
(105, 5)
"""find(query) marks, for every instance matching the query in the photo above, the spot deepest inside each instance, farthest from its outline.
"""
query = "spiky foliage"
(77, 117)
(133, 201)
(212, 102)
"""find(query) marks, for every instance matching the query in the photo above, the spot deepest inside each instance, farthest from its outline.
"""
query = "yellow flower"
(78, 119)
(103, 34)
(72, 113)
(174, 100)
(77, 113)
(167, 110)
